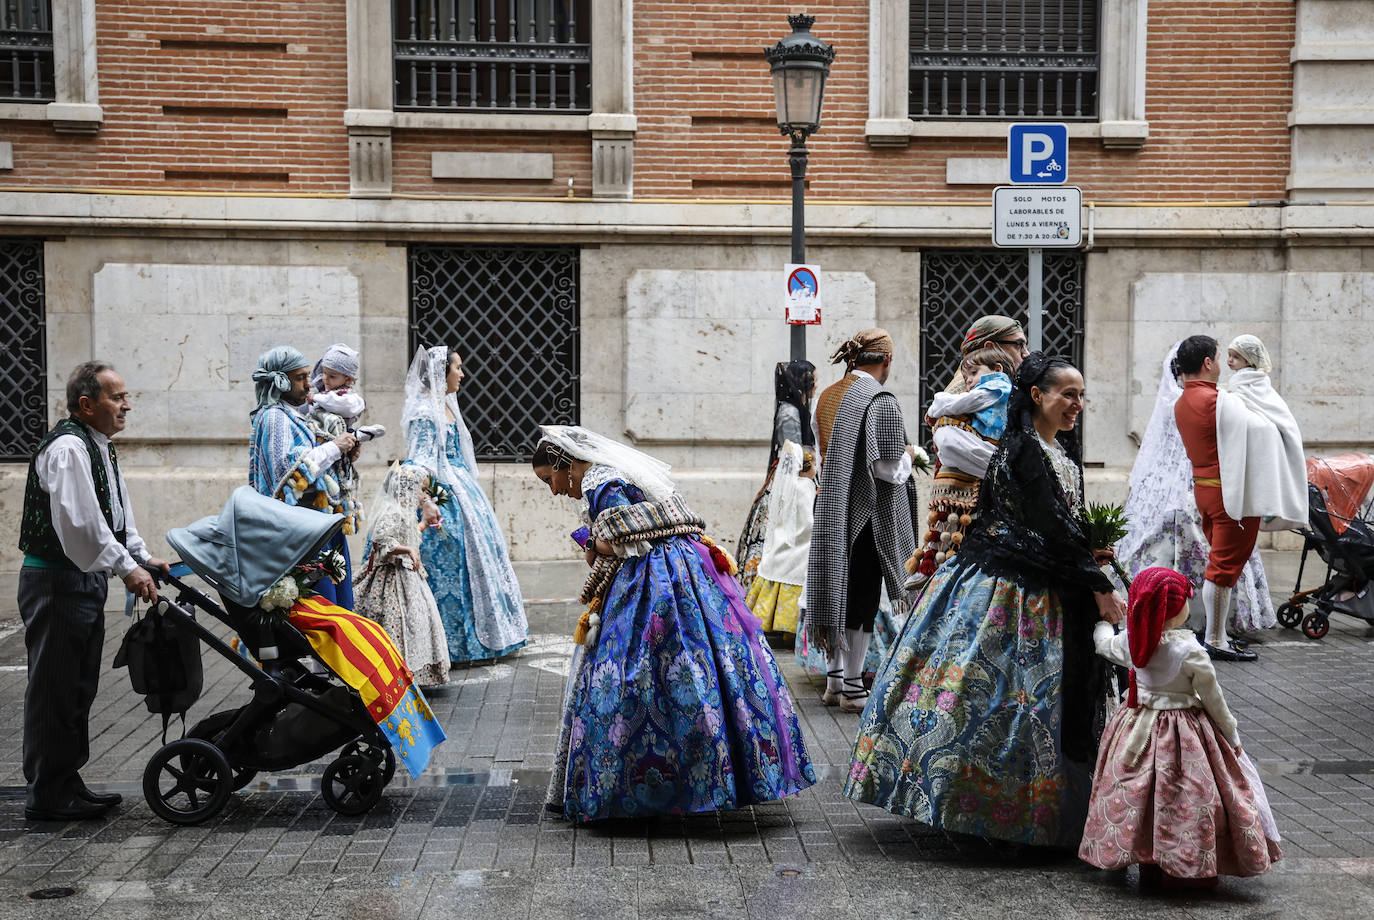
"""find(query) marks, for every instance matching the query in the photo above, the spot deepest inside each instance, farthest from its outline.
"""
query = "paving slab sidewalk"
(471, 834)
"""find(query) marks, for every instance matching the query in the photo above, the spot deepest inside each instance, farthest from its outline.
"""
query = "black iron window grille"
(24, 366)
(493, 55)
(512, 314)
(26, 55)
(960, 285)
(1022, 60)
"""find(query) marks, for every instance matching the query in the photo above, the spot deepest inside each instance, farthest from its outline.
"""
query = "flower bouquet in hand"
(920, 460)
(1107, 525)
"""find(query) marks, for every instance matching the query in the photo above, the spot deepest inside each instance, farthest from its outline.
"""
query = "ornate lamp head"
(800, 64)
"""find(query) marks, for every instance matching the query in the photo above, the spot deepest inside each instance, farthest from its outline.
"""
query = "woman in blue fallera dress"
(675, 703)
(983, 717)
(462, 547)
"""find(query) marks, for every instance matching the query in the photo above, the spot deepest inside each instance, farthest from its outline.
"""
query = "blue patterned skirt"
(962, 730)
(680, 707)
(444, 554)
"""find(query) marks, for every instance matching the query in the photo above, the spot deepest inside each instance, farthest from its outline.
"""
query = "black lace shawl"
(1023, 530)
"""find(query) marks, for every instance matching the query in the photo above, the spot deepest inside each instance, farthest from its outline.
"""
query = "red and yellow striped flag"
(358, 650)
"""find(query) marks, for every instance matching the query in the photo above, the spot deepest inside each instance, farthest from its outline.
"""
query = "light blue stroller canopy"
(254, 541)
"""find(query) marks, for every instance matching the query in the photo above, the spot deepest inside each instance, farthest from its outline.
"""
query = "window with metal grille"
(493, 55)
(512, 314)
(26, 55)
(960, 285)
(1022, 60)
(23, 349)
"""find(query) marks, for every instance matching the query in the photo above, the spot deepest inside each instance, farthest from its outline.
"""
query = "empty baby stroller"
(364, 706)
(1341, 530)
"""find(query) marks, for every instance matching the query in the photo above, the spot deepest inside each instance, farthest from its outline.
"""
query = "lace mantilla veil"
(490, 574)
(1161, 480)
(426, 398)
(648, 473)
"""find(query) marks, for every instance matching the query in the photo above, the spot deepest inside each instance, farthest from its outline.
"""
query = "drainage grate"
(50, 894)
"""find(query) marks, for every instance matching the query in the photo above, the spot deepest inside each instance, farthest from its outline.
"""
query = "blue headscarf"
(269, 378)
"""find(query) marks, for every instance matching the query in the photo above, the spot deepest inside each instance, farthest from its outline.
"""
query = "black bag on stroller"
(164, 666)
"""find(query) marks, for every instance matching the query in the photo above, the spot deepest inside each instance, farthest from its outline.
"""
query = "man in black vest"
(77, 529)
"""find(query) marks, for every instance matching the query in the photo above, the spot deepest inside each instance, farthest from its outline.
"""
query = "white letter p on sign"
(1035, 147)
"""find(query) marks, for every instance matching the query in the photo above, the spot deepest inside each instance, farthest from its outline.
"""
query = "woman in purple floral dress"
(676, 705)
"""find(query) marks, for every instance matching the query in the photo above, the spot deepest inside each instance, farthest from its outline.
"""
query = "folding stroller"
(1341, 530)
(295, 716)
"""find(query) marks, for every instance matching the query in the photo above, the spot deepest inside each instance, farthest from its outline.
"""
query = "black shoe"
(75, 810)
(1229, 654)
(108, 799)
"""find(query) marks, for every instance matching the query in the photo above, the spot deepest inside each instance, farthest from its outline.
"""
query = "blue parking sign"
(1038, 154)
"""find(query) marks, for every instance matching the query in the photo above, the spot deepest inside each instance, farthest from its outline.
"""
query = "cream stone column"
(888, 73)
(1332, 121)
(1121, 74)
(612, 121)
(76, 109)
(369, 117)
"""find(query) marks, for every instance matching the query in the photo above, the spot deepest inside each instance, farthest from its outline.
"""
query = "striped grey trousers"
(64, 630)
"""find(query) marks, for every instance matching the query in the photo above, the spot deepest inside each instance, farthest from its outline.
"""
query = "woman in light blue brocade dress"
(462, 546)
(675, 704)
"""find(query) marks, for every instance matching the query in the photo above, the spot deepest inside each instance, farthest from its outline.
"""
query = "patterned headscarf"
(1252, 350)
(868, 347)
(1157, 595)
(269, 377)
(991, 328)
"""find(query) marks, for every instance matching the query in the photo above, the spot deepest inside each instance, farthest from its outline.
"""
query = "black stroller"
(1341, 530)
(295, 715)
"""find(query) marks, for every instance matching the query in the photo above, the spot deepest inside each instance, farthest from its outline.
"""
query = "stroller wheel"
(352, 784)
(380, 755)
(1315, 625)
(1290, 615)
(187, 781)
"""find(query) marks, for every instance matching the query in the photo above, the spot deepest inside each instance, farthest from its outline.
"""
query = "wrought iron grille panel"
(493, 55)
(1004, 59)
(26, 62)
(24, 366)
(512, 313)
(960, 285)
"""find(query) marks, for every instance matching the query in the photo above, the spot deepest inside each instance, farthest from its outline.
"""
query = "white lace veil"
(426, 398)
(1161, 479)
(649, 474)
(393, 508)
(498, 614)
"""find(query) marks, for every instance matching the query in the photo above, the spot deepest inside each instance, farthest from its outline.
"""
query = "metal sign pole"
(1035, 287)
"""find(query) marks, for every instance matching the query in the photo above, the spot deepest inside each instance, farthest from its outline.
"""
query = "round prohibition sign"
(802, 279)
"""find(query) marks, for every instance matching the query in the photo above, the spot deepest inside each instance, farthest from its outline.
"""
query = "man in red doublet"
(1198, 367)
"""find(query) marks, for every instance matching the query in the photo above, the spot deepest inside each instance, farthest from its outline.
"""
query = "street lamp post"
(800, 64)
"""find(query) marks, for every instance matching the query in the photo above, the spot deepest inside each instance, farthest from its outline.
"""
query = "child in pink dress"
(1173, 791)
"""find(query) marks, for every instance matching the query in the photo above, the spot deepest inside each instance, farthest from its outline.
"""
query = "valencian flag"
(362, 654)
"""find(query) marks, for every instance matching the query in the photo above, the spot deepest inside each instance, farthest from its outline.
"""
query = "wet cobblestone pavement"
(471, 837)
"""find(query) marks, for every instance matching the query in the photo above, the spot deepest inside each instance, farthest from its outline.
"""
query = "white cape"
(1259, 446)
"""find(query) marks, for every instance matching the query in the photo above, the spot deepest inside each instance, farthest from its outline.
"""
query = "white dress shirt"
(896, 472)
(64, 472)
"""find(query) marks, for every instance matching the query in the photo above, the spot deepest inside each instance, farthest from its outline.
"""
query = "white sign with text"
(1033, 217)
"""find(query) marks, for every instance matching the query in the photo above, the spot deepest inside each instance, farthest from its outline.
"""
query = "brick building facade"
(599, 209)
